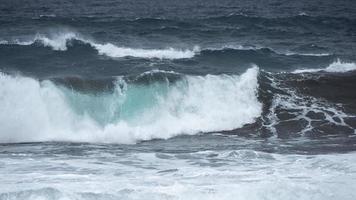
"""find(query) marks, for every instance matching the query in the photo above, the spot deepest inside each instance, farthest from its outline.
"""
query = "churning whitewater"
(131, 112)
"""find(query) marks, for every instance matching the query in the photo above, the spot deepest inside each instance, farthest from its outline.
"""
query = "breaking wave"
(35, 110)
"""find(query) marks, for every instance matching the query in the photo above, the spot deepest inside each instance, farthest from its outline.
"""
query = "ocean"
(189, 99)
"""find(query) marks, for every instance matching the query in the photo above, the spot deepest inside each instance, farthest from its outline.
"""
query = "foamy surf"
(42, 111)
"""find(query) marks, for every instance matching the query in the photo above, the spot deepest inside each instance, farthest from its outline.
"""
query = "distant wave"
(232, 18)
(59, 42)
(229, 18)
(257, 48)
(337, 66)
(43, 111)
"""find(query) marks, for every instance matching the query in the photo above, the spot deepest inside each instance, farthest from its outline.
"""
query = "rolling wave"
(35, 110)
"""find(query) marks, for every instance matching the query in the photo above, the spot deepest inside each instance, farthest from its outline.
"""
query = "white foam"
(235, 47)
(40, 111)
(57, 42)
(302, 14)
(337, 66)
(301, 107)
(49, 15)
(156, 71)
(106, 173)
(111, 50)
(307, 54)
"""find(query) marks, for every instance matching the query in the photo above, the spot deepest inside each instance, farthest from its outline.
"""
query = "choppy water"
(177, 100)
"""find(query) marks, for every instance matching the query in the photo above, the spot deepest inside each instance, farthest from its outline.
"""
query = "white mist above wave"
(59, 42)
(337, 66)
(41, 111)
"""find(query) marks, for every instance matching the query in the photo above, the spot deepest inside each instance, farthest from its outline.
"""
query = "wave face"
(44, 111)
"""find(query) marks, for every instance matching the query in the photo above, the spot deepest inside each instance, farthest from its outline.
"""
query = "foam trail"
(41, 111)
(307, 54)
(59, 42)
(337, 66)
